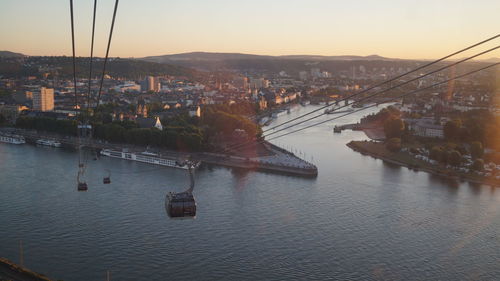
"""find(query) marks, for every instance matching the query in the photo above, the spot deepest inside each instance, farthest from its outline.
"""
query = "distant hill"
(337, 58)
(248, 63)
(215, 57)
(116, 67)
(9, 54)
(491, 60)
(203, 56)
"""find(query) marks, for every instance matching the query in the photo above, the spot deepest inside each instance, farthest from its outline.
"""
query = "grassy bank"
(379, 151)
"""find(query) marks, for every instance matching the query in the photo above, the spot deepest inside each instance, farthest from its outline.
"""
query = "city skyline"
(424, 29)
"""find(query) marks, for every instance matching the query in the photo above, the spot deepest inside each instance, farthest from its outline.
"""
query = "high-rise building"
(152, 84)
(43, 100)
(241, 83)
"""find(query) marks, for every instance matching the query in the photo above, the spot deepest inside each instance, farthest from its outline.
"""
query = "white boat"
(13, 139)
(50, 143)
(146, 157)
(335, 111)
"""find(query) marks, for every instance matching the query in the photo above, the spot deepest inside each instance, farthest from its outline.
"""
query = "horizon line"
(240, 53)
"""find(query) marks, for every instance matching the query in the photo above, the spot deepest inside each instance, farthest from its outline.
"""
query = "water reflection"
(359, 219)
(452, 183)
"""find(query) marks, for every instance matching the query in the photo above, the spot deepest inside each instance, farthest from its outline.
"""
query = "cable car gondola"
(107, 180)
(182, 204)
(82, 186)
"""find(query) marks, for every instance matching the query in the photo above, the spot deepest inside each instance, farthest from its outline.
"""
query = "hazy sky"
(392, 28)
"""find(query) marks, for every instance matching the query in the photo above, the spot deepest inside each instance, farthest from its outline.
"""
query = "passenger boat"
(50, 143)
(13, 139)
(334, 111)
(146, 157)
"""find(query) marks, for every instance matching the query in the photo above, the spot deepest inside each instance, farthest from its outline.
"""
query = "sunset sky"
(391, 28)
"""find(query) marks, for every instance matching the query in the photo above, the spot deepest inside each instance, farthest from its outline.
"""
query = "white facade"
(158, 124)
(195, 111)
(425, 128)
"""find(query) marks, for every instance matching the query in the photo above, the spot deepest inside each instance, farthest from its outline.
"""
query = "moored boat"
(51, 143)
(146, 157)
(13, 139)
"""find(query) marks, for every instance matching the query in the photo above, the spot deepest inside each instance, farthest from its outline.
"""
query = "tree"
(476, 149)
(454, 158)
(394, 128)
(478, 165)
(452, 129)
(436, 153)
(394, 144)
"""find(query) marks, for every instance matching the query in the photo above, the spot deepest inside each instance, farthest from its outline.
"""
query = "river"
(360, 219)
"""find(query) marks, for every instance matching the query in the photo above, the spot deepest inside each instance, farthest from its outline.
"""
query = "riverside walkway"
(277, 160)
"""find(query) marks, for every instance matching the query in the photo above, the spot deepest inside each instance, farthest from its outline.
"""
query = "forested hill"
(8, 54)
(116, 67)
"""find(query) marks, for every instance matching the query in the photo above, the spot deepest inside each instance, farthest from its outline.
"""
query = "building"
(142, 109)
(315, 72)
(43, 100)
(262, 103)
(241, 83)
(303, 75)
(258, 83)
(194, 111)
(152, 84)
(128, 87)
(11, 112)
(149, 123)
(425, 127)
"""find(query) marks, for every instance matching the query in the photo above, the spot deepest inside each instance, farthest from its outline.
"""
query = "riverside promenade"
(276, 160)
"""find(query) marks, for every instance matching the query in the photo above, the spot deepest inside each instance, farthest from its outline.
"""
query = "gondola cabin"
(82, 186)
(106, 180)
(180, 205)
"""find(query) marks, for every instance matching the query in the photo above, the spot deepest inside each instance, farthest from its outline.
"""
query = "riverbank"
(12, 271)
(377, 150)
(277, 160)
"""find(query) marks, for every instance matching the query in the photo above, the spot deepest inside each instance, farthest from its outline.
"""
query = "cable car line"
(243, 145)
(107, 54)
(86, 119)
(84, 128)
(81, 185)
(393, 87)
(237, 146)
(392, 99)
(91, 56)
(389, 80)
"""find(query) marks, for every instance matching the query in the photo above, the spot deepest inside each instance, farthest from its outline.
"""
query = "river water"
(360, 219)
